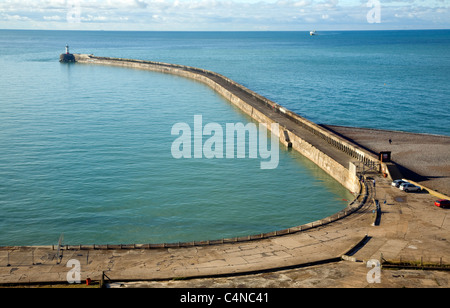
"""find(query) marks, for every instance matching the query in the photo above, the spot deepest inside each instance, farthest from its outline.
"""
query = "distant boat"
(312, 33)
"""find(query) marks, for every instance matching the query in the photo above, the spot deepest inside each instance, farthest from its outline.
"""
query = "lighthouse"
(67, 57)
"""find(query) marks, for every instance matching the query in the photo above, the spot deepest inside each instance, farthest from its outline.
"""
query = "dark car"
(443, 203)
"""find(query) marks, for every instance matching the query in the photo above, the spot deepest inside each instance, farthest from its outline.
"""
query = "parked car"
(407, 187)
(443, 203)
(397, 183)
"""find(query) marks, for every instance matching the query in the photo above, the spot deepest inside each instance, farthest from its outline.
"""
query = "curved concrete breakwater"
(328, 150)
(356, 233)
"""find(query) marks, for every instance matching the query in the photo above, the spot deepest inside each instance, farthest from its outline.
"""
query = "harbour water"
(85, 150)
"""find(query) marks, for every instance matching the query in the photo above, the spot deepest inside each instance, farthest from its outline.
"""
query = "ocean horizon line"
(230, 31)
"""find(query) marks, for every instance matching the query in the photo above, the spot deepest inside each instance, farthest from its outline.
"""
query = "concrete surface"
(334, 275)
(424, 158)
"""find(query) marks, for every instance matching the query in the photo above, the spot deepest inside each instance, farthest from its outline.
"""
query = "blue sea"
(85, 150)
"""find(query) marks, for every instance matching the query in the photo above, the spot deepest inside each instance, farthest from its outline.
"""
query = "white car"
(397, 183)
(407, 187)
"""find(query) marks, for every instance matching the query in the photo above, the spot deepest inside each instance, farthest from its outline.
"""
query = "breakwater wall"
(292, 127)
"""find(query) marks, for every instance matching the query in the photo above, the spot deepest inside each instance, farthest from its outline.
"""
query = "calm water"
(85, 150)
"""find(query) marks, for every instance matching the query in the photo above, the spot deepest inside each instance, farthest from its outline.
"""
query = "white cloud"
(222, 14)
(53, 18)
(14, 17)
(302, 3)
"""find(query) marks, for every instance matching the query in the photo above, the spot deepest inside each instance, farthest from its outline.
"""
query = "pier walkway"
(342, 150)
(290, 124)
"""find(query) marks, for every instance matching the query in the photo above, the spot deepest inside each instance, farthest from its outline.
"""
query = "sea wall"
(237, 94)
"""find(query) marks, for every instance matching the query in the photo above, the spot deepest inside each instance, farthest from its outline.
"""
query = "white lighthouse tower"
(67, 57)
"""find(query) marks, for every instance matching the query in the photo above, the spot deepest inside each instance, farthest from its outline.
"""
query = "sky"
(224, 15)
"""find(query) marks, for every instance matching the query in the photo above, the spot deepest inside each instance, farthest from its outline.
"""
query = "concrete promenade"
(319, 245)
(409, 228)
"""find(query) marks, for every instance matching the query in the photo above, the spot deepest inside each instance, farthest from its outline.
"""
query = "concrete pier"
(405, 226)
(326, 149)
(66, 58)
